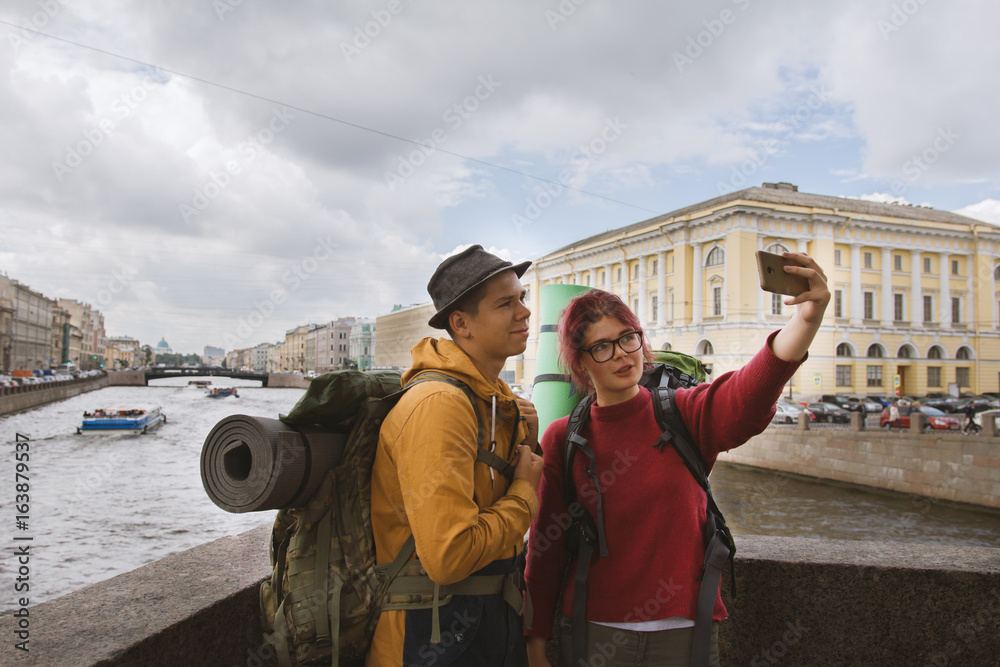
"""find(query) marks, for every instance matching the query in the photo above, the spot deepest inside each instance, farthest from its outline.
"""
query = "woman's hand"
(792, 342)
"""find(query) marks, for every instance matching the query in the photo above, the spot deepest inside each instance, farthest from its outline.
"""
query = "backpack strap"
(479, 585)
(719, 545)
(584, 531)
(483, 455)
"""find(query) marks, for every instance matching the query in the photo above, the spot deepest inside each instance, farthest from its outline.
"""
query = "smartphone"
(773, 277)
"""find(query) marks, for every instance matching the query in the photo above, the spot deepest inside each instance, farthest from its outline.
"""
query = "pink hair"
(578, 315)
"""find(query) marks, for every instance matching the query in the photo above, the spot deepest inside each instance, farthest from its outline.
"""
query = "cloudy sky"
(218, 172)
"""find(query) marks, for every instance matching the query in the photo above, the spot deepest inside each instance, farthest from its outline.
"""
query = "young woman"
(641, 597)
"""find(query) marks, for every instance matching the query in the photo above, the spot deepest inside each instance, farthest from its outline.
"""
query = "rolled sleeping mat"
(553, 393)
(249, 464)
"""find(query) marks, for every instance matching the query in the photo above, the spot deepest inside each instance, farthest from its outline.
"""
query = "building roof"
(788, 195)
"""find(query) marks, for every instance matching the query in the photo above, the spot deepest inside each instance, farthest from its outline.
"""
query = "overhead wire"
(358, 126)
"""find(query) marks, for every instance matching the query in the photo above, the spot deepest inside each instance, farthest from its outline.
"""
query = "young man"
(466, 518)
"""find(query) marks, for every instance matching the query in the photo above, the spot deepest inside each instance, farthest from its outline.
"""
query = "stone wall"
(953, 467)
(799, 602)
(127, 378)
(16, 399)
(287, 380)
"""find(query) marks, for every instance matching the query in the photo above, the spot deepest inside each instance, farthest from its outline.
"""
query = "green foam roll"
(552, 393)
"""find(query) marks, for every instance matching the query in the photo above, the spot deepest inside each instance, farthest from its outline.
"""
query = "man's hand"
(536, 652)
(530, 416)
(528, 466)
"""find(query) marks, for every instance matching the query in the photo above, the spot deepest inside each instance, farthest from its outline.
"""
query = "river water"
(103, 503)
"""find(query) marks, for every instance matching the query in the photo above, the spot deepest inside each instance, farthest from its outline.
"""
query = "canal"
(105, 503)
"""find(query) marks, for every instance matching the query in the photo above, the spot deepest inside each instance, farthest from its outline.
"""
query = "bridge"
(160, 372)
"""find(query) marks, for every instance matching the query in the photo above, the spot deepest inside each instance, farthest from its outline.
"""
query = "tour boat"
(122, 419)
(222, 392)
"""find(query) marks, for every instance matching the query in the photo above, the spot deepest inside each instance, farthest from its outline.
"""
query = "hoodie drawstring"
(493, 439)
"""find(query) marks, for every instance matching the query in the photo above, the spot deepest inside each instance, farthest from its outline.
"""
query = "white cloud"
(518, 90)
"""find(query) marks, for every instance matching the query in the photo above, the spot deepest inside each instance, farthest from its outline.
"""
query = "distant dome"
(163, 343)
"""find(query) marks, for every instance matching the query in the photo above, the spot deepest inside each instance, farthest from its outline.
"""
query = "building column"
(944, 308)
(661, 289)
(916, 294)
(643, 292)
(626, 277)
(697, 287)
(607, 277)
(857, 305)
(887, 295)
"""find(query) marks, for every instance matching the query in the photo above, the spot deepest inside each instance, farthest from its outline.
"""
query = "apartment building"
(26, 337)
(916, 291)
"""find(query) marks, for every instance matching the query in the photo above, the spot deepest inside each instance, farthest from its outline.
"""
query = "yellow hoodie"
(425, 480)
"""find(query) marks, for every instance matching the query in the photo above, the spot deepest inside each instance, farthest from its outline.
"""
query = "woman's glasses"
(605, 350)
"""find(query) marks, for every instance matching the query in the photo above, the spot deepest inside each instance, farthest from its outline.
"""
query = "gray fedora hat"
(459, 274)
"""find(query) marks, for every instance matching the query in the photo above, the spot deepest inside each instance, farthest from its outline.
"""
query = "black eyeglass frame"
(618, 341)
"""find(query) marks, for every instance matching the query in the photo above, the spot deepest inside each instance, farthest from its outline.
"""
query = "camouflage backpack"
(326, 591)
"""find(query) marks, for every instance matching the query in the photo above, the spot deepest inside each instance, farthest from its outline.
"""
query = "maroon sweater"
(654, 510)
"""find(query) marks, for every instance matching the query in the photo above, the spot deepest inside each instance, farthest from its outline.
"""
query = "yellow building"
(121, 352)
(916, 291)
(399, 331)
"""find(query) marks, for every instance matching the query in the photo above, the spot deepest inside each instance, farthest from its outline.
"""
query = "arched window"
(963, 353)
(876, 351)
(716, 256)
(705, 349)
(935, 352)
(777, 248)
(844, 350)
(904, 352)
(666, 347)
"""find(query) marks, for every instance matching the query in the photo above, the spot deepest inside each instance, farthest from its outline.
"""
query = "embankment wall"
(16, 399)
(950, 466)
(293, 380)
(800, 602)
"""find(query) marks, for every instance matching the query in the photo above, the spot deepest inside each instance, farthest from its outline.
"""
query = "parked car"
(871, 407)
(979, 403)
(829, 412)
(943, 403)
(842, 402)
(786, 413)
(885, 399)
(935, 419)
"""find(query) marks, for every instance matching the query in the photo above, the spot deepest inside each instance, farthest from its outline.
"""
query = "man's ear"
(459, 323)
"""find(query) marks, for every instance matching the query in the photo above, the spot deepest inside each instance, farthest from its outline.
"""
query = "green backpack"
(326, 591)
(683, 368)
